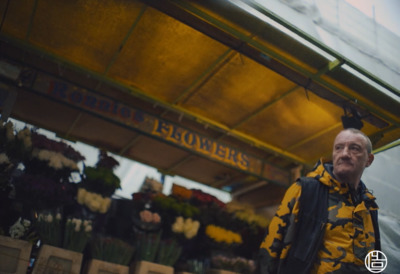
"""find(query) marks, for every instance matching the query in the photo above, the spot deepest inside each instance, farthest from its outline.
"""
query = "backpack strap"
(312, 217)
(374, 216)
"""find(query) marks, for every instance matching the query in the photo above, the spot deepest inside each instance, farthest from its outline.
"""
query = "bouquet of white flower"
(48, 227)
(22, 229)
(77, 234)
(94, 201)
(55, 159)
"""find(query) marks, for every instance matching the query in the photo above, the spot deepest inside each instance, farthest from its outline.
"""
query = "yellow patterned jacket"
(348, 234)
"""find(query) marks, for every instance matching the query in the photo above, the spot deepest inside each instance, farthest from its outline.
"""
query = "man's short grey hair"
(367, 140)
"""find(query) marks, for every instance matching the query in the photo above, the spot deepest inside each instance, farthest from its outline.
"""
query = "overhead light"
(352, 119)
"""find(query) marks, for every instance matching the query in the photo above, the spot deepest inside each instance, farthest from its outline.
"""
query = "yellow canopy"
(199, 89)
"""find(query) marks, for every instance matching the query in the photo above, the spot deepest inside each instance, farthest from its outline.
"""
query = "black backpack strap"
(374, 216)
(312, 217)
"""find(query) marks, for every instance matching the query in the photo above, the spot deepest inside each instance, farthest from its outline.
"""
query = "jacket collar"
(323, 171)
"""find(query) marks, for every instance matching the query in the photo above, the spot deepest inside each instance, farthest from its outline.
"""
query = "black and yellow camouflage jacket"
(347, 233)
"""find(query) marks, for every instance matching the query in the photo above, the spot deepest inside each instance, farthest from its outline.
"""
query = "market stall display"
(187, 230)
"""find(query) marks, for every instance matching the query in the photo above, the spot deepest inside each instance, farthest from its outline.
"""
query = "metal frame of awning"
(191, 12)
(237, 40)
(266, 52)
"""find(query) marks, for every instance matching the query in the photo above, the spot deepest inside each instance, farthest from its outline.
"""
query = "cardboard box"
(53, 259)
(220, 271)
(97, 266)
(144, 267)
(14, 255)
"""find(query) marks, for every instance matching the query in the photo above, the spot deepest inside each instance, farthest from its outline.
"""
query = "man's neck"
(351, 182)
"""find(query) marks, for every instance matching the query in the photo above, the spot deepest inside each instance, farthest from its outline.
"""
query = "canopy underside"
(200, 90)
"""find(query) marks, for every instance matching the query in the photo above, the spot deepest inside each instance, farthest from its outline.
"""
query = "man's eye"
(355, 148)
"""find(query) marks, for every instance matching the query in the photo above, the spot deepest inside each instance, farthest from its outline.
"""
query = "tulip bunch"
(48, 227)
(77, 234)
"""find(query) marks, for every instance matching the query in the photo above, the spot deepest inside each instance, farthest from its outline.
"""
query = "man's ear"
(371, 158)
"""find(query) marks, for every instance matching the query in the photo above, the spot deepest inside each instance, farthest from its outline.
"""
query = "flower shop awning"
(200, 89)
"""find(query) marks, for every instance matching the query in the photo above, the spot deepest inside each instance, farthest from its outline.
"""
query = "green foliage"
(101, 180)
(168, 253)
(179, 208)
(48, 227)
(151, 248)
(111, 250)
(147, 246)
(77, 233)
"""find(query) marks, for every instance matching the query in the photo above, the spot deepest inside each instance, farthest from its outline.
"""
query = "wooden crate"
(14, 255)
(220, 271)
(53, 259)
(97, 266)
(144, 267)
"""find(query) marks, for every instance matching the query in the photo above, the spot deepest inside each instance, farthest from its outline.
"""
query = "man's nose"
(345, 151)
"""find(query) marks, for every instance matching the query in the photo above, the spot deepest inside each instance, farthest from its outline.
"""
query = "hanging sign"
(172, 133)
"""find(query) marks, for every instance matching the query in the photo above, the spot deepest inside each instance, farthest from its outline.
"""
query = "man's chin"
(343, 173)
(344, 167)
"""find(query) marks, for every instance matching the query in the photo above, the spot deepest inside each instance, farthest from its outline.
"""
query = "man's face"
(350, 157)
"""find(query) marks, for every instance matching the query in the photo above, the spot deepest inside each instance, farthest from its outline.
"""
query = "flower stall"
(75, 225)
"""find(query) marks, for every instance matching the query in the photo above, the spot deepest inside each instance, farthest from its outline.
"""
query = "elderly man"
(327, 221)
